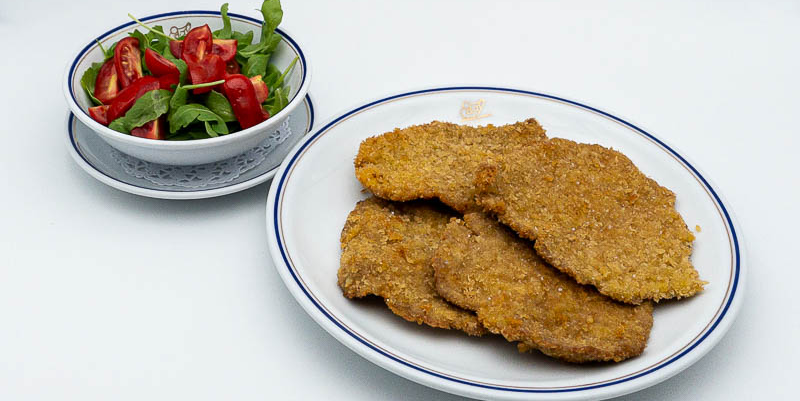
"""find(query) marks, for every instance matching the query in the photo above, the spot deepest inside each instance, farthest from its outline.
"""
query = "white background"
(107, 295)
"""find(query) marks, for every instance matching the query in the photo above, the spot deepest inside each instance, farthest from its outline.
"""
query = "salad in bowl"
(189, 87)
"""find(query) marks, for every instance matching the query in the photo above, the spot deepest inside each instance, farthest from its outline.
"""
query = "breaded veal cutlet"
(594, 216)
(437, 160)
(386, 251)
(483, 266)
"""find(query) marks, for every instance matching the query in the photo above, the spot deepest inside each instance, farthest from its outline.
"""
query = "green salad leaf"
(256, 65)
(220, 105)
(271, 76)
(119, 126)
(107, 53)
(88, 80)
(277, 100)
(192, 112)
(179, 98)
(243, 39)
(147, 108)
(265, 46)
(226, 32)
(273, 14)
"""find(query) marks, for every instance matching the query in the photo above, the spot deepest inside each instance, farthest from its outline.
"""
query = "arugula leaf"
(107, 53)
(119, 125)
(271, 77)
(273, 14)
(220, 105)
(225, 32)
(279, 98)
(279, 81)
(179, 98)
(265, 46)
(189, 113)
(147, 108)
(157, 40)
(256, 65)
(243, 39)
(88, 80)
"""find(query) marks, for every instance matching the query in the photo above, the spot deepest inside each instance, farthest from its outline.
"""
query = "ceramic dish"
(140, 177)
(315, 188)
(195, 151)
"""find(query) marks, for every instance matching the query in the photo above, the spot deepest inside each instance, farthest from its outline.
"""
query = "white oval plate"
(96, 157)
(316, 188)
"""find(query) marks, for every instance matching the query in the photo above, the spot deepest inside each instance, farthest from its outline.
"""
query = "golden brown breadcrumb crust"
(482, 266)
(594, 216)
(386, 251)
(437, 160)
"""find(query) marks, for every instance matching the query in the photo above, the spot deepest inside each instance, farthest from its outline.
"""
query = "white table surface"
(106, 295)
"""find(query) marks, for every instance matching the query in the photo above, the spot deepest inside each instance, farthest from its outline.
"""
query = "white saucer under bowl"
(140, 177)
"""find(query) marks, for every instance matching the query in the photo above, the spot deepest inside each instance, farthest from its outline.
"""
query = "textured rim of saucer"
(101, 176)
(695, 350)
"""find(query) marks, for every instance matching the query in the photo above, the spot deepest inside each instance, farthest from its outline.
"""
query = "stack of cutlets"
(559, 246)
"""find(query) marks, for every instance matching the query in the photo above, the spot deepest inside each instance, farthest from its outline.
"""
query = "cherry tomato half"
(127, 97)
(209, 69)
(98, 113)
(168, 81)
(176, 48)
(197, 44)
(225, 48)
(128, 61)
(151, 130)
(262, 91)
(158, 65)
(240, 92)
(232, 67)
(106, 85)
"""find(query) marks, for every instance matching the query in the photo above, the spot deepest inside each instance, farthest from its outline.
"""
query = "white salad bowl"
(190, 152)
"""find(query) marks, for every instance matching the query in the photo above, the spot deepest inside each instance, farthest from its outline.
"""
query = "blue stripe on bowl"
(86, 48)
(322, 130)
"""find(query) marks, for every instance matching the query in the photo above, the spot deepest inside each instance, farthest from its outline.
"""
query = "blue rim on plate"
(733, 239)
(83, 51)
(71, 120)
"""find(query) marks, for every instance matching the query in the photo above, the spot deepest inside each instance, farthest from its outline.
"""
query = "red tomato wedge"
(128, 61)
(262, 91)
(232, 67)
(158, 65)
(225, 48)
(197, 44)
(127, 97)
(240, 92)
(210, 69)
(106, 85)
(98, 113)
(168, 81)
(151, 130)
(176, 48)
